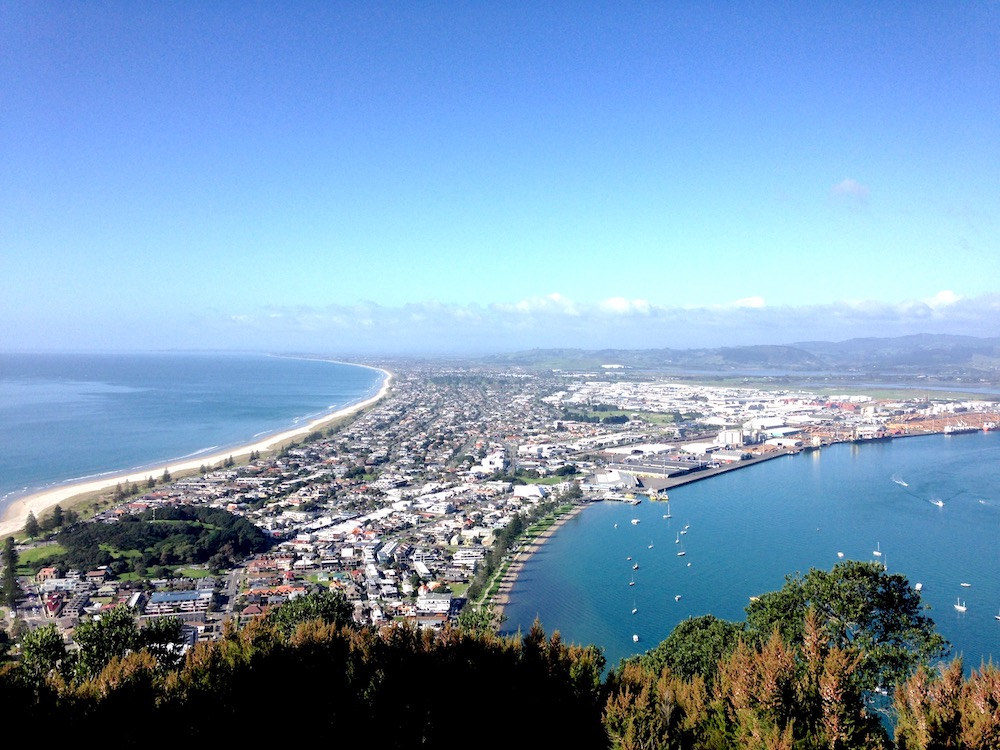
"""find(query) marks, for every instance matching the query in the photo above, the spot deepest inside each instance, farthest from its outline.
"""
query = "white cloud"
(622, 306)
(550, 303)
(749, 302)
(851, 191)
(943, 299)
(555, 320)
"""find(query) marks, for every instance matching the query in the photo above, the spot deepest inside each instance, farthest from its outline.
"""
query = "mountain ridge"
(948, 356)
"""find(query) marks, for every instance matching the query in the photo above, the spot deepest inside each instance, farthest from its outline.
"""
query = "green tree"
(31, 527)
(694, 647)
(11, 589)
(479, 619)
(43, 651)
(114, 633)
(6, 643)
(163, 637)
(331, 607)
(858, 605)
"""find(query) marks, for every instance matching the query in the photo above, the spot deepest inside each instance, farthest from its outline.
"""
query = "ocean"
(927, 507)
(70, 417)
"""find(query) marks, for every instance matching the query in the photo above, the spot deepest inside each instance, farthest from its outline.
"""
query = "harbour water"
(929, 506)
(67, 417)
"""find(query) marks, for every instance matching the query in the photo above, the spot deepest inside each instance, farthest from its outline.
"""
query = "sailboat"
(634, 608)
(996, 616)
(878, 550)
(678, 539)
(632, 582)
(681, 552)
(960, 605)
(650, 546)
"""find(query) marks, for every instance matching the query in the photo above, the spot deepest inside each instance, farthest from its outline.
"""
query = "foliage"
(693, 648)
(859, 605)
(479, 619)
(393, 687)
(329, 607)
(164, 536)
(399, 686)
(114, 634)
(42, 651)
(11, 589)
(772, 695)
(941, 709)
(31, 526)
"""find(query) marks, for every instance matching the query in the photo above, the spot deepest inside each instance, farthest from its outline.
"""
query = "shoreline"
(16, 513)
(502, 598)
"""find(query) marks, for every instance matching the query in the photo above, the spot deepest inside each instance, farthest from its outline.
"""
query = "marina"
(766, 521)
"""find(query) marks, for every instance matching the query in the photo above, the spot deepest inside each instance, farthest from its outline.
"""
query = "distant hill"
(947, 357)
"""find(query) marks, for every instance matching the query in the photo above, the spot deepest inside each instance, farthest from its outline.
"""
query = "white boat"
(878, 550)
(996, 616)
(678, 598)
(635, 566)
(966, 585)
(634, 608)
(650, 546)
(635, 638)
(960, 605)
(635, 521)
(678, 539)
(918, 587)
(939, 503)
(840, 555)
(632, 582)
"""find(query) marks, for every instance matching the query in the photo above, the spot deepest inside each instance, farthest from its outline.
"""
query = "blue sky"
(382, 178)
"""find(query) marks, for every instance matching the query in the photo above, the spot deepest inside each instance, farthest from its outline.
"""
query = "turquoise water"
(748, 528)
(66, 417)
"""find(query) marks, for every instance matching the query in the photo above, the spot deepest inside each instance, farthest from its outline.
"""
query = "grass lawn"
(30, 556)
(199, 571)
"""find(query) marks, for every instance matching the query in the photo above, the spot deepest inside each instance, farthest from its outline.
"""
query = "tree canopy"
(859, 605)
(170, 536)
(800, 688)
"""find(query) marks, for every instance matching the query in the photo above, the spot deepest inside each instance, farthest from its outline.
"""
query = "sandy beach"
(16, 513)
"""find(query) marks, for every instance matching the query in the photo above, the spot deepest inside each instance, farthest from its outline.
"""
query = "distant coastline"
(16, 513)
